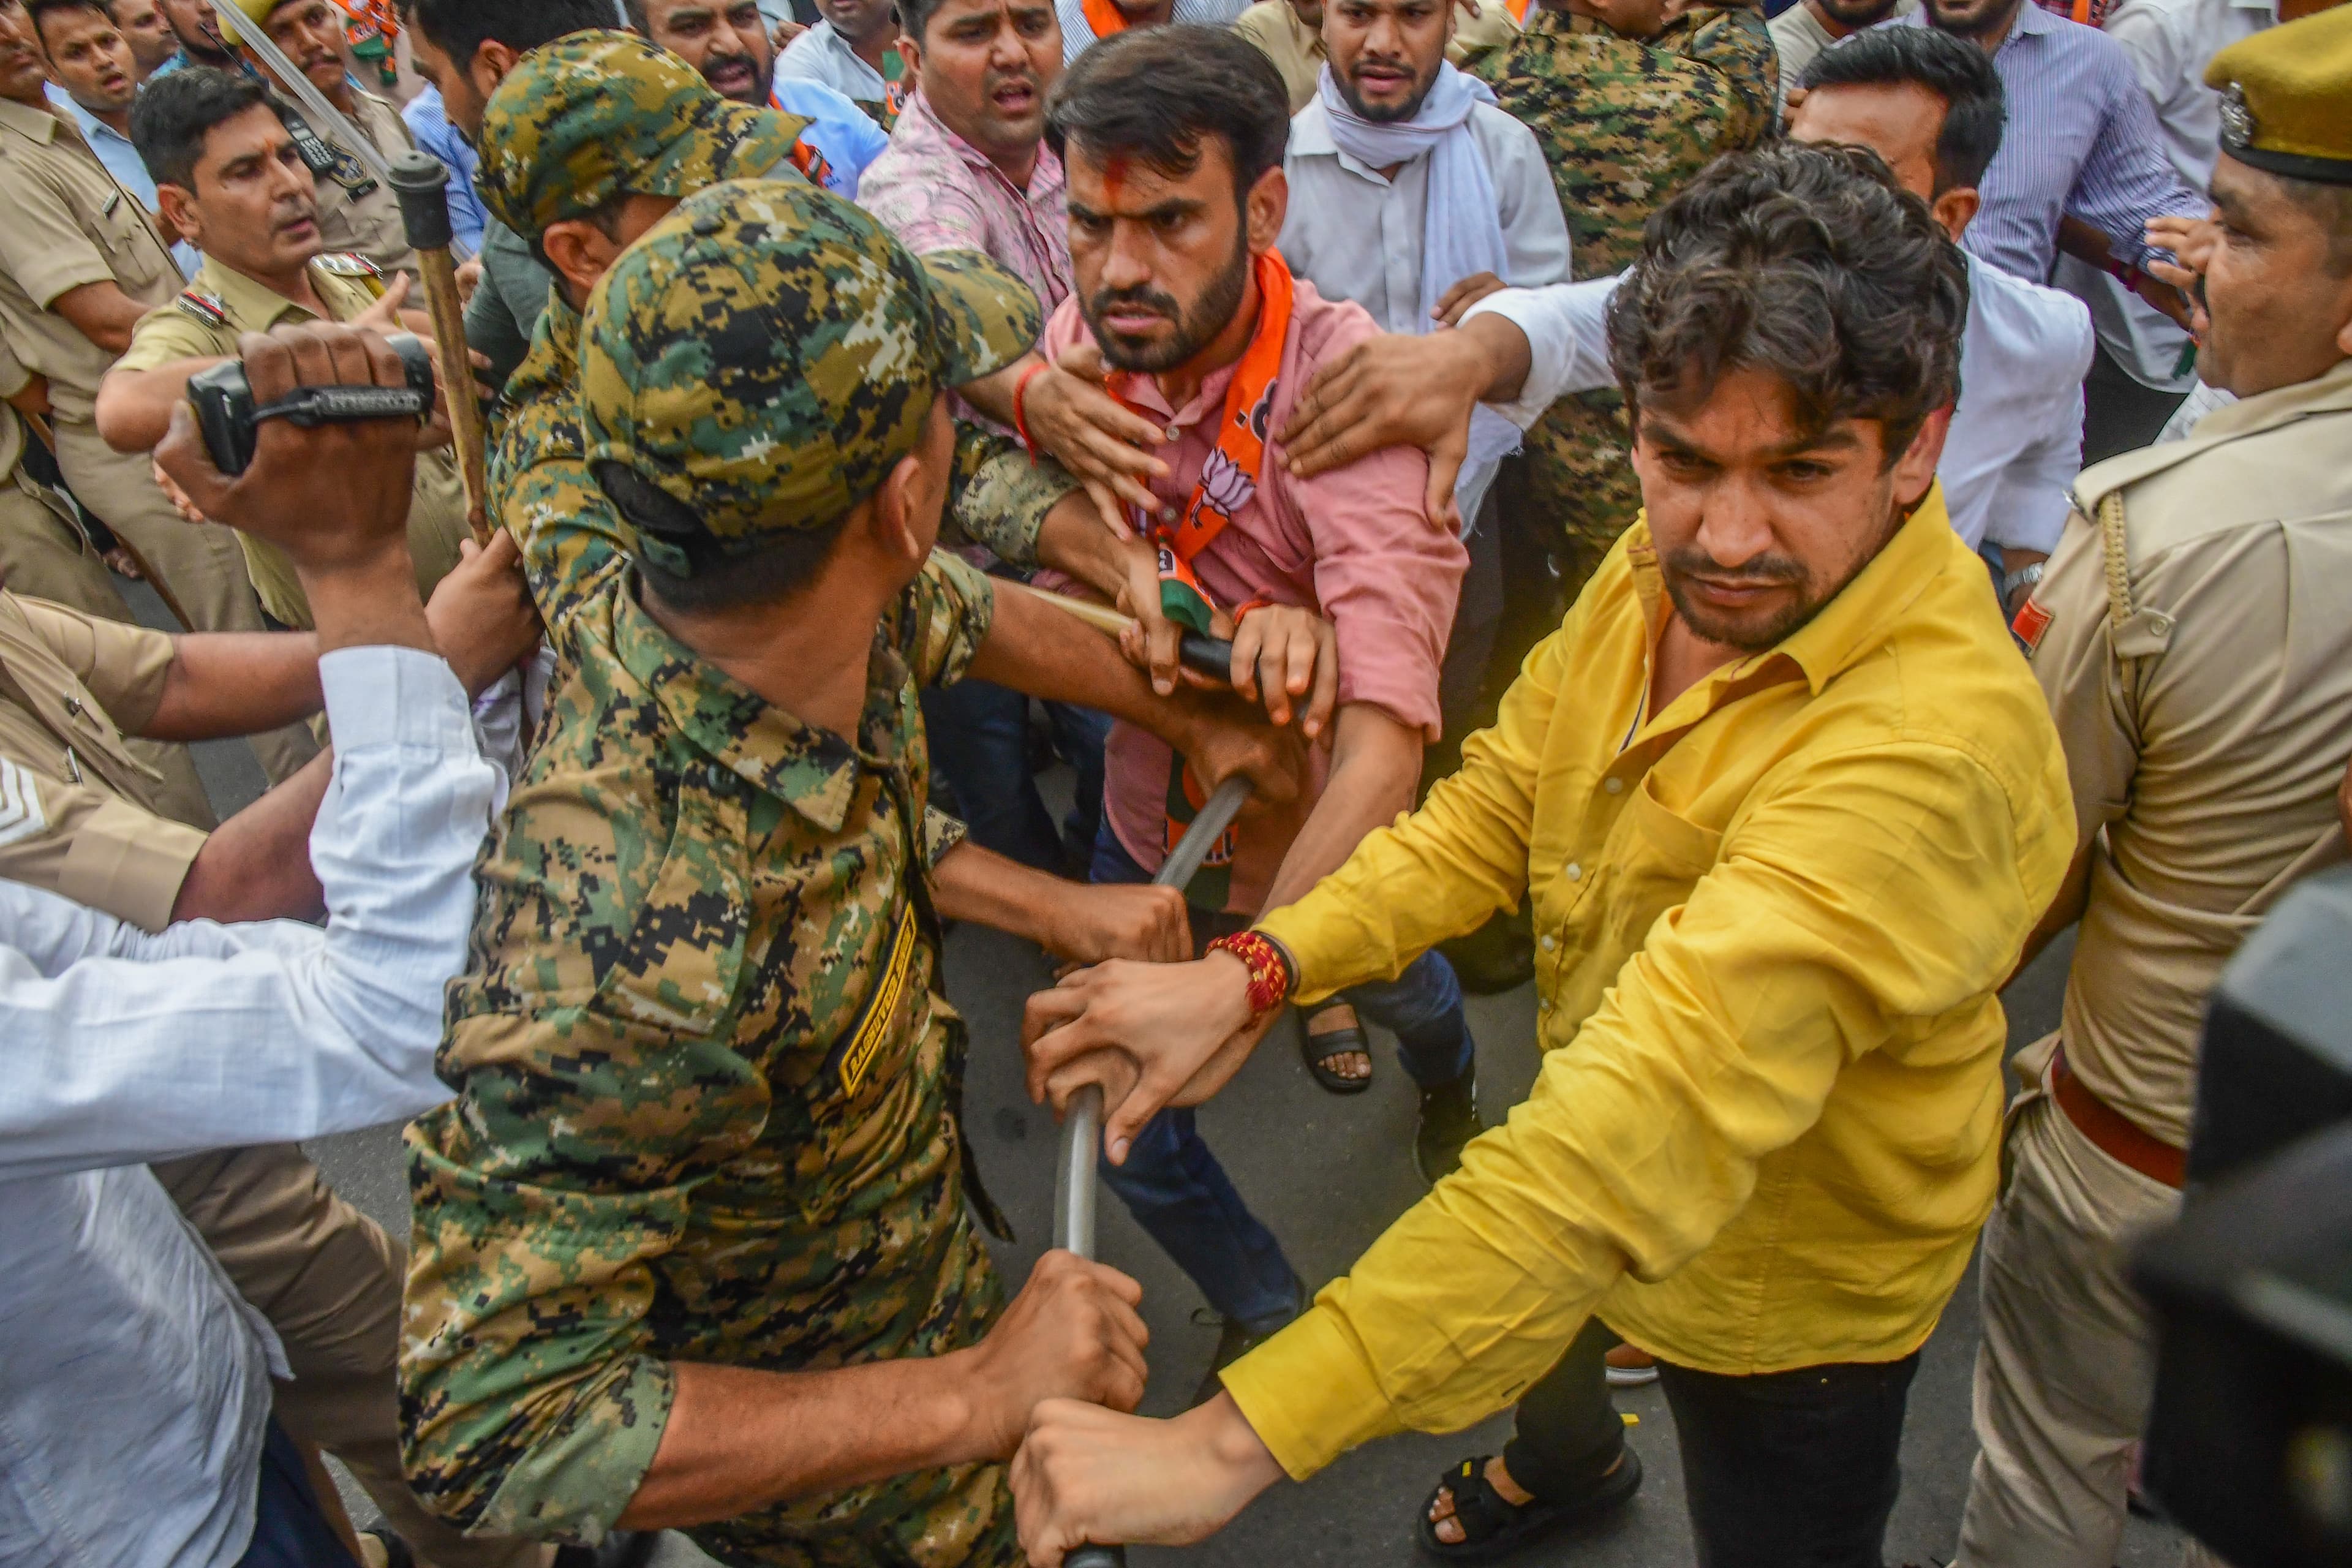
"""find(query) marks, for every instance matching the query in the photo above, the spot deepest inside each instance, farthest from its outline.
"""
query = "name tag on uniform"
(854, 1055)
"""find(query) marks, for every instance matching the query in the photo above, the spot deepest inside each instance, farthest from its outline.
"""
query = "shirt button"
(1543, 1004)
(1614, 787)
(1549, 942)
(1575, 872)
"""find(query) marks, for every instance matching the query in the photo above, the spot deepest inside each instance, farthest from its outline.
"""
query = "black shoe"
(1498, 956)
(1236, 1340)
(621, 1549)
(1449, 1119)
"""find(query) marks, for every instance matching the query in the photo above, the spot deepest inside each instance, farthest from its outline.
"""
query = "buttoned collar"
(814, 771)
(1845, 630)
(39, 126)
(2031, 22)
(90, 126)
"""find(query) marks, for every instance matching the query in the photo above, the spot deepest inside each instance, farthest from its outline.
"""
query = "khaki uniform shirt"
(705, 1096)
(2194, 644)
(1296, 49)
(79, 813)
(203, 323)
(64, 223)
(365, 220)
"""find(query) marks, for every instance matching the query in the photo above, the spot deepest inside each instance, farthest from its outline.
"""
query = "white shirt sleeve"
(2032, 496)
(120, 1047)
(1566, 326)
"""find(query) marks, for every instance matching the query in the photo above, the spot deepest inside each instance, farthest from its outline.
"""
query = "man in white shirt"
(853, 50)
(2145, 363)
(1406, 183)
(1808, 27)
(131, 1356)
(1920, 100)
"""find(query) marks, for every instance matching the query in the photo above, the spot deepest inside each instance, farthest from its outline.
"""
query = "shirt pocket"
(133, 254)
(1662, 853)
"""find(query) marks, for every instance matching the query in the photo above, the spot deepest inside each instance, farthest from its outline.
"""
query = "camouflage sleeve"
(997, 496)
(1735, 44)
(572, 540)
(941, 833)
(942, 619)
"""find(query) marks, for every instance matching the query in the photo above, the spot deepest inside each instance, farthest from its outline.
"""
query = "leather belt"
(2111, 1132)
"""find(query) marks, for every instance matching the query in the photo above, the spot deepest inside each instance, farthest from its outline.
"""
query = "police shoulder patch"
(204, 307)
(347, 264)
(2032, 623)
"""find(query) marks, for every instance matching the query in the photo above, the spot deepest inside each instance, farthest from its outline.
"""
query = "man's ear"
(1914, 471)
(1267, 203)
(179, 209)
(896, 511)
(578, 251)
(1955, 209)
(910, 54)
(490, 66)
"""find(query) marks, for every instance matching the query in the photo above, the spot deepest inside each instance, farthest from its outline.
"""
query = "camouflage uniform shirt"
(705, 1095)
(1624, 124)
(540, 486)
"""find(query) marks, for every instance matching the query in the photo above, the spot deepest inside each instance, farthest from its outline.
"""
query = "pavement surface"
(1327, 1175)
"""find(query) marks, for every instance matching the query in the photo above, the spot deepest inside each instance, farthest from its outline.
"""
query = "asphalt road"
(1328, 1174)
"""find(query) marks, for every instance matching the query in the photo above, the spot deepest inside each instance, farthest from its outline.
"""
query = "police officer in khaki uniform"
(229, 177)
(43, 550)
(357, 210)
(2191, 637)
(79, 262)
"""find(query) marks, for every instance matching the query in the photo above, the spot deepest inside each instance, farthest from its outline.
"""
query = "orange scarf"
(1228, 482)
(1105, 18)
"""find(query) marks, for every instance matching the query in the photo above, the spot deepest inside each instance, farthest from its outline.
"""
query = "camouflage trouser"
(1581, 483)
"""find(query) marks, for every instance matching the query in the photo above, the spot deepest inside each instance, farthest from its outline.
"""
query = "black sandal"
(1318, 1049)
(1493, 1527)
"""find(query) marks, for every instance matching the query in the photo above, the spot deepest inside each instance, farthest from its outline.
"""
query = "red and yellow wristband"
(1272, 976)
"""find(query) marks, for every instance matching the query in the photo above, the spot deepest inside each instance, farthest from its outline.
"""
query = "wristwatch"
(2010, 582)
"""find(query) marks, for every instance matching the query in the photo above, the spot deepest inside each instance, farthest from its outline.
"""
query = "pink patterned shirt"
(936, 191)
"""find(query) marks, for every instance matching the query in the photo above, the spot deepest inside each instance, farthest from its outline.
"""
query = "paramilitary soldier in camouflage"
(1625, 117)
(692, 1247)
(576, 126)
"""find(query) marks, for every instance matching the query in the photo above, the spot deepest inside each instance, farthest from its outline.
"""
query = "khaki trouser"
(327, 1278)
(201, 563)
(2067, 1364)
(43, 555)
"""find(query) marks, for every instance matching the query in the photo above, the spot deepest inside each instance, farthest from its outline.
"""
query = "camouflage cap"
(592, 114)
(757, 361)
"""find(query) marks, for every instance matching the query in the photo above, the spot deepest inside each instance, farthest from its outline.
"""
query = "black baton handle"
(1203, 655)
(421, 181)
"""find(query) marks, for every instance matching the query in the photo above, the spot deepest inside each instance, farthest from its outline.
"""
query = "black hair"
(1154, 93)
(36, 9)
(779, 564)
(915, 16)
(1811, 264)
(459, 28)
(173, 114)
(1953, 70)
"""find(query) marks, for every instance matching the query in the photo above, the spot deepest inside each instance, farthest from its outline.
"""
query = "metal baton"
(1073, 1206)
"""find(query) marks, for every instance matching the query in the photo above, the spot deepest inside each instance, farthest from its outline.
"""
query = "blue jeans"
(980, 746)
(289, 1527)
(1177, 1191)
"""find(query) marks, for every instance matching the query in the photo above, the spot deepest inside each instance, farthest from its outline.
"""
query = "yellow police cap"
(256, 11)
(2286, 98)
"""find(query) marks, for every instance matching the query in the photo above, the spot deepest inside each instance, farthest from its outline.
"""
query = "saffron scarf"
(1228, 482)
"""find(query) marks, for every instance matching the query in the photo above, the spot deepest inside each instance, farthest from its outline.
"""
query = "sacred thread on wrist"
(1021, 407)
(1270, 977)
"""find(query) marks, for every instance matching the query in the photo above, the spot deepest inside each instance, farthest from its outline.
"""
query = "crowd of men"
(1752, 525)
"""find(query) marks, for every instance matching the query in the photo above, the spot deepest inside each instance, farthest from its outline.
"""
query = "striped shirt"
(1077, 32)
(2082, 141)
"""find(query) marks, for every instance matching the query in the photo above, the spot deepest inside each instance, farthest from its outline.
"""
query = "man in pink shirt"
(1172, 141)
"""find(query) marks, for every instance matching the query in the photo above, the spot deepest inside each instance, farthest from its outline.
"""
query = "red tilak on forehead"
(1114, 179)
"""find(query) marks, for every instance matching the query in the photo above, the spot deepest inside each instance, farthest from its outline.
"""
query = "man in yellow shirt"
(1800, 808)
